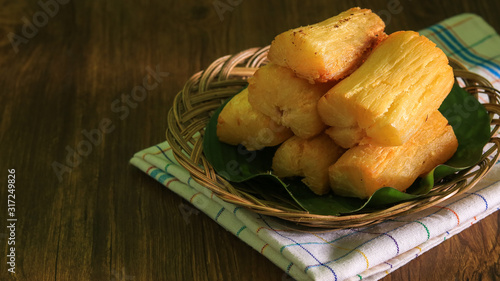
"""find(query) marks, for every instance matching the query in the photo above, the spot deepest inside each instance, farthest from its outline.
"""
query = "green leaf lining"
(470, 122)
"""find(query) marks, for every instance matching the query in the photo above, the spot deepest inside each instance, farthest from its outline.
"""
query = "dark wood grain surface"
(68, 70)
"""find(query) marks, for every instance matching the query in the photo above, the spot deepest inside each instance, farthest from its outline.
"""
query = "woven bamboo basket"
(207, 90)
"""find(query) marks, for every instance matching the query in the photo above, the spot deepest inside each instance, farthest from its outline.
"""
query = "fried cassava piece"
(238, 123)
(390, 95)
(308, 158)
(363, 169)
(353, 109)
(331, 49)
(287, 99)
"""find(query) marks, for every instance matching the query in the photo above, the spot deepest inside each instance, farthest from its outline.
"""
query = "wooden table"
(70, 71)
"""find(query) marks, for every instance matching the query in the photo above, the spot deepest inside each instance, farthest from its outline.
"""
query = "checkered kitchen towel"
(367, 253)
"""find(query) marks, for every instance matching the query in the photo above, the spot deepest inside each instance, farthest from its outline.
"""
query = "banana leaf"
(470, 122)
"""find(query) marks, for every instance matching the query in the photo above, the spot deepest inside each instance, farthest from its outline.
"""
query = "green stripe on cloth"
(353, 254)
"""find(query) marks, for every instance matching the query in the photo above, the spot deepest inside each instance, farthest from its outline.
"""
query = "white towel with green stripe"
(367, 253)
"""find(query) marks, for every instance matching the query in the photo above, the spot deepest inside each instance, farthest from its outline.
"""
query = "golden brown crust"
(288, 100)
(239, 123)
(331, 49)
(346, 137)
(309, 159)
(389, 96)
(365, 168)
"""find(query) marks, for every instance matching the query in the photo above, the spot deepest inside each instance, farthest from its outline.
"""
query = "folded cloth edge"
(182, 184)
(373, 273)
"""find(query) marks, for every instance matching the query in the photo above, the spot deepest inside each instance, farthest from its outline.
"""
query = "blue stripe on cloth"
(164, 154)
(462, 51)
(298, 244)
(354, 231)
(154, 173)
(163, 178)
(218, 214)
(388, 235)
(346, 254)
(482, 197)
(369, 240)
(240, 230)
(236, 209)
(288, 267)
(467, 51)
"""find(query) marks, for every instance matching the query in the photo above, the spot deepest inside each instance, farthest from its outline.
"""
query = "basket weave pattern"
(207, 90)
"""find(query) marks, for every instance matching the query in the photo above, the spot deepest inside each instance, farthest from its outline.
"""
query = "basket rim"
(205, 91)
